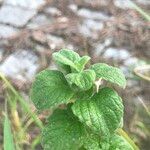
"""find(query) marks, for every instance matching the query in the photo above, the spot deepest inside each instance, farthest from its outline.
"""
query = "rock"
(55, 42)
(116, 54)
(39, 36)
(123, 4)
(7, 31)
(29, 4)
(15, 16)
(38, 21)
(86, 13)
(20, 65)
(100, 47)
(90, 27)
(73, 7)
(53, 11)
(132, 61)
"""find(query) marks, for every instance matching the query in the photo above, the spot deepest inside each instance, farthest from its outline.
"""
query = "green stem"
(142, 12)
(128, 139)
(22, 101)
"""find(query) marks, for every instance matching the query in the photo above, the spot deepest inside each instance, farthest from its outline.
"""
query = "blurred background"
(116, 32)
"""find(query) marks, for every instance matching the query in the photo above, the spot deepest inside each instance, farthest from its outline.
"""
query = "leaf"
(63, 68)
(66, 57)
(109, 73)
(84, 94)
(92, 142)
(84, 80)
(82, 62)
(102, 112)
(63, 132)
(8, 138)
(49, 89)
(68, 60)
(116, 142)
(119, 143)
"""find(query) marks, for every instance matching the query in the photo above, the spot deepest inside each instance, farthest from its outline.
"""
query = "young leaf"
(102, 112)
(84, 80)
(82, 62)
(66, 57)
(109, 73)
(49, 89)
(8, 138)
(63, 132)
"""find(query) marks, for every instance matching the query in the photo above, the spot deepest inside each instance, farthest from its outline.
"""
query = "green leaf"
(66, 57)
(92, 142)
(63, 132)
(84, 80)
(119, 143)
(49, 89)
(63, 68)
(116, 142)
(8, 138)
(109, 73)
(82, 62)
(102, 112)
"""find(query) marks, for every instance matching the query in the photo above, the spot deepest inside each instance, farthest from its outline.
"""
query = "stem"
(142, 12)
(128, 139)
(22, 101)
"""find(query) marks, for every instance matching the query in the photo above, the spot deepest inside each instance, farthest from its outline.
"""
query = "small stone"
(100, 47)
(55, 42)
(15, 16)
(39, 36)
(38, 21)
(86, 13)
(53, 11)
(7, 31)
(20, 65)
(116, 54)
(73, 7)
(132, 61)
(30, 4)
(123, 4)
(90, 27)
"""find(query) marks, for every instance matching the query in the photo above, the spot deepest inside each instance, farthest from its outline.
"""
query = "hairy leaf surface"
(102, 112)
(92, 142)
(109, 73)
(84, 80)
(63, 132)
(82, 62)
(119, 143)
(66, 57)
(116, 142)
(49, 89)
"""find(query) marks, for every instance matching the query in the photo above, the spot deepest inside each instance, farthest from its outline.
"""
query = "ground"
(109, 31)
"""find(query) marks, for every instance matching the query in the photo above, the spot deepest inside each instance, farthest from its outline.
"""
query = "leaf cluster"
(93, 114)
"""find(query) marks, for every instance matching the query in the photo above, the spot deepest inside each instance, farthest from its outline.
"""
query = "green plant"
(92, 115)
